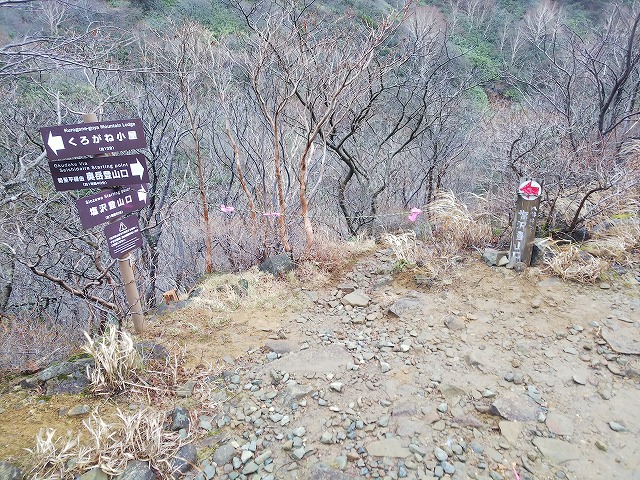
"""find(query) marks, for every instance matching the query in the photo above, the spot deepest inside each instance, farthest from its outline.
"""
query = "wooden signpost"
(111, 205)
(524, 223)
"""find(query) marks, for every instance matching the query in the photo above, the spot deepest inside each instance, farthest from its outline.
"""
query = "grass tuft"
(571, 263)
(116, 361)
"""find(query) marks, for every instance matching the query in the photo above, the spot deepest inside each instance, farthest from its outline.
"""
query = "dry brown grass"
(454, 228)
(109, 446)
(571, 263)
(616, 244)
(329, 258)
(116, 361)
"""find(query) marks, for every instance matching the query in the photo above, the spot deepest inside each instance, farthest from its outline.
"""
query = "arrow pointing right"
(55, 143)
(137, 169)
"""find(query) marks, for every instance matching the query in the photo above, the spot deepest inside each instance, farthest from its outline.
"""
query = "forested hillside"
(276, 127)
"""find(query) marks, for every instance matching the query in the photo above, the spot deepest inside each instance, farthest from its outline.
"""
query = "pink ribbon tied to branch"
(413, 214)
(227, 208)
(271, 214)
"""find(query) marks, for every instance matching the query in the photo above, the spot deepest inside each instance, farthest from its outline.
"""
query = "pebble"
(440, 454)
(617, 427)
(443, 407)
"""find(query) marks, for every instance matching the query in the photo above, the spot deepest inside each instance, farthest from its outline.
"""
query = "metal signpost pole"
(125, 262)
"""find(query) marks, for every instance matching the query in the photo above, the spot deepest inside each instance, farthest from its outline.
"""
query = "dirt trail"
(490, 371)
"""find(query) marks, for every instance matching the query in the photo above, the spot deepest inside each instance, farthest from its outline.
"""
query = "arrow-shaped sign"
(55, 143)
(530, 190)
(137, 169)
(109, 205)
(102, 172)
(142, 194)
(68, 141)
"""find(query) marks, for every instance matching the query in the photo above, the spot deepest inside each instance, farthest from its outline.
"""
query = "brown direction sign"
(68, 141)
(123, 236)
(109, 205)
(102, 172)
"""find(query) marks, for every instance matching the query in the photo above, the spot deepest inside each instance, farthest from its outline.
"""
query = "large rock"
(179, 419)
(388, 447)
(622, 337)
(10, 472)
(556, 451)
(324, 359)
(137, 470)
(516, 407)
(185, 460)
(223, 454)
(559, 424)
(277, 265)
(356, 299)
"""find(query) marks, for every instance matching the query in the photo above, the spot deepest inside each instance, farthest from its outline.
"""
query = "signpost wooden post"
(524, 222)
(64, 142)
(125, 263)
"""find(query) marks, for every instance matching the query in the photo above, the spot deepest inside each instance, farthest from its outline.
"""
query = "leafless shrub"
(116, 361)
(27, 343)
(571, 263)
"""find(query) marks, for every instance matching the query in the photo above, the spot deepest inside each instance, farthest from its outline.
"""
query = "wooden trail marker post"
(524, 222)
(97, 139)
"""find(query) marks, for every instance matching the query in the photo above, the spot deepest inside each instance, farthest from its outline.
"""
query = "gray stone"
(179, 419)
(277, 264)
(403, 306)
(249, 468)
(356, 299)
(223, 454)
(152, 351)
(384, 367)
(515, 406)
(10, 472)
(337, 386)
(559, 424)
(556, 451)
(137, 470)
(78, 410)
(327, 438)
(93, 474)
(321, 359)
(455, 323)
(29, 383)
(280, 346)
(440, 454)
(492, 256)
(346, 287)
(186, 390)
(57, 371)
(622, 337)
(185, 459)
(389, 447)
(617, 427)
(510, 430)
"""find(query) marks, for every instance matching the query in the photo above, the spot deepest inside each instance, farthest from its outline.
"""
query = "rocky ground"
(491, 374)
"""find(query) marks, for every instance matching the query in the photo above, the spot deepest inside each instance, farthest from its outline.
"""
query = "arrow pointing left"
(55, 143)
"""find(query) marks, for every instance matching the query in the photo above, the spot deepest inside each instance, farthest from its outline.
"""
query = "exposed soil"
(486, 357)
